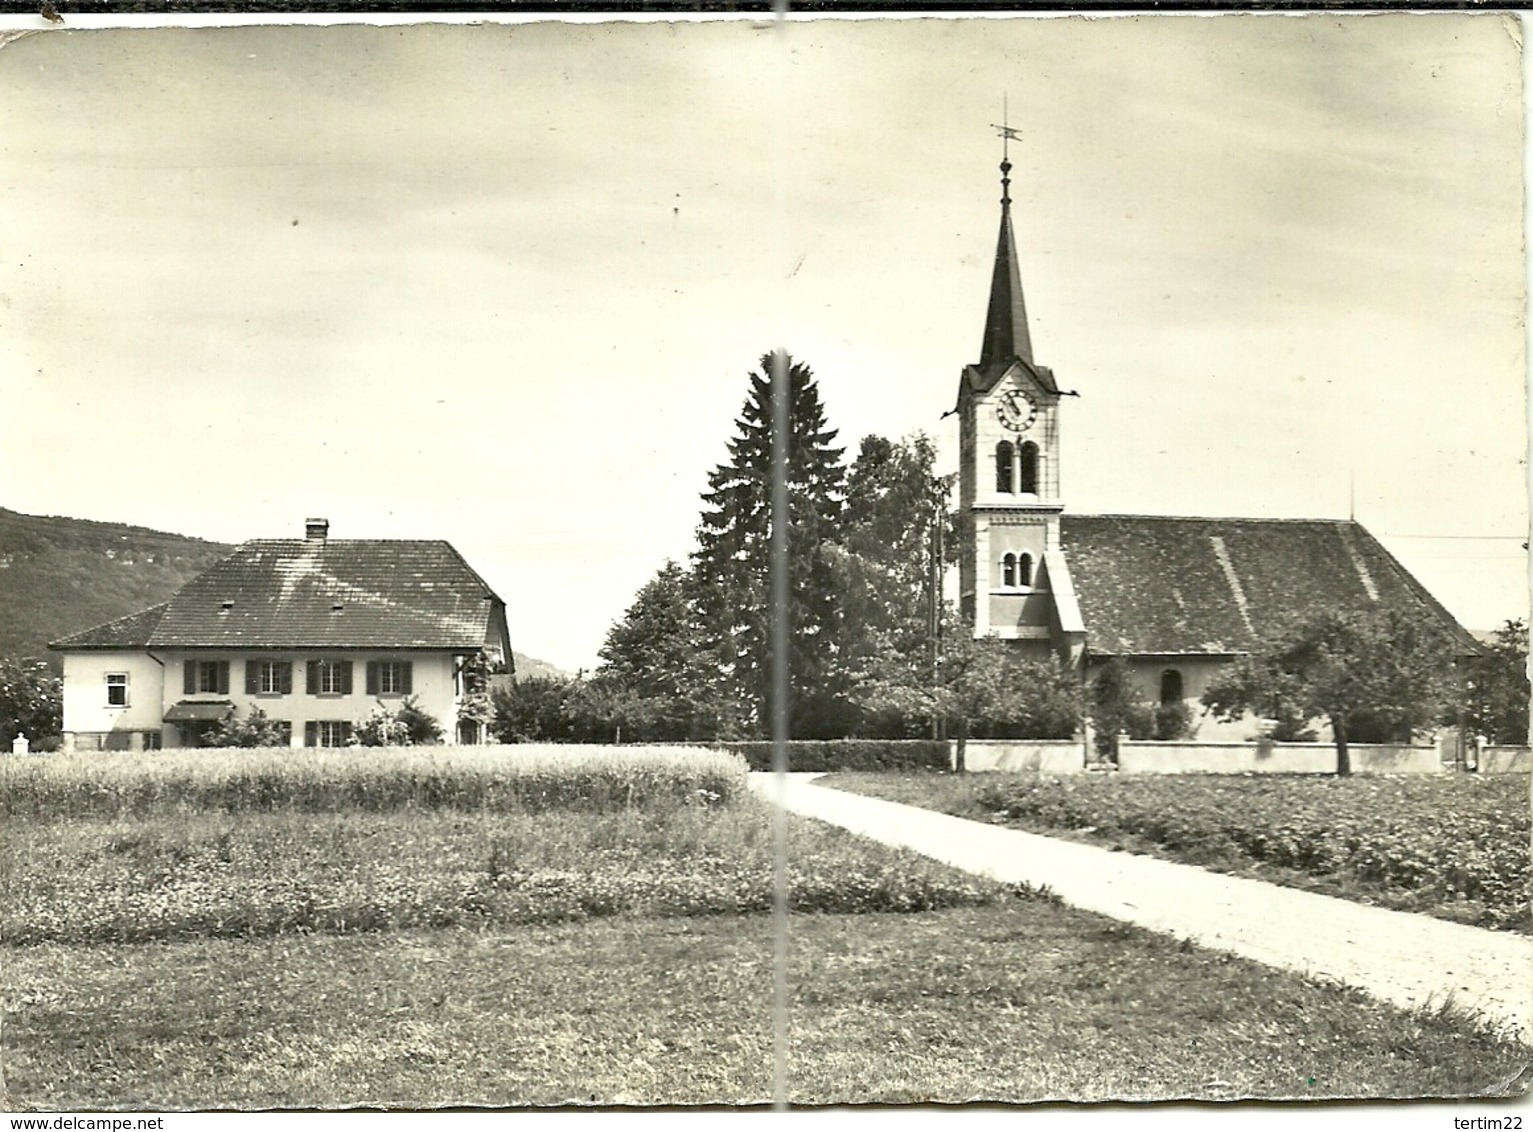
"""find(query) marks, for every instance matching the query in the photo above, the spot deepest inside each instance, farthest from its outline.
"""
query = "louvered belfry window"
(1028, 465)
(1003, 452)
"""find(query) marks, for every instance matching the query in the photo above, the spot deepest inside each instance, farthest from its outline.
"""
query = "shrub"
(255, 730)
(406, 726)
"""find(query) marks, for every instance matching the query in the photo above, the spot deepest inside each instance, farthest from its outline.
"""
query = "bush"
(848, 754)
(408, 725)
(255, 730)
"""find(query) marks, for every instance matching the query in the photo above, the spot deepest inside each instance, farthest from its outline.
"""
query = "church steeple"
(1006, 335)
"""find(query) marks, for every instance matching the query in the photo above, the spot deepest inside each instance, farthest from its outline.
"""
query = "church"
(1175, 599)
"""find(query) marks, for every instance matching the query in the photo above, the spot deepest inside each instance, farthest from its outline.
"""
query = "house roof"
(130, 632)
(1152, 585)
(318, 593)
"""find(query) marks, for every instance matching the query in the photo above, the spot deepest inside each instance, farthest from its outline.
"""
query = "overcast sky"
(502, 285)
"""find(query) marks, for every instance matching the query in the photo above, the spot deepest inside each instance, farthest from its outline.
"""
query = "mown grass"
(1013, 1001)
(184, 876)
(1452, 846)
(451, 936)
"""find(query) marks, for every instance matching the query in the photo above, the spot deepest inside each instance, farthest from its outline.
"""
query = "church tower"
(1009, 489)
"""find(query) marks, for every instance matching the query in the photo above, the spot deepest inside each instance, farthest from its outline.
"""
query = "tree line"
(875, 653)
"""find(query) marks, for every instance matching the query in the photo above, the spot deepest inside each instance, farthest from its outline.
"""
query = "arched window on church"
(1003, 467)
(1170, 687)
(1029, 469)
(1009, 570)
(1025, 570)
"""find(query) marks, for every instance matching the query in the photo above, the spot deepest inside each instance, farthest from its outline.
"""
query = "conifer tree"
(732, 561)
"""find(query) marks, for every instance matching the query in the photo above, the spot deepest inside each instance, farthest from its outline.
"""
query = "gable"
(981, 379)
(1151, 585)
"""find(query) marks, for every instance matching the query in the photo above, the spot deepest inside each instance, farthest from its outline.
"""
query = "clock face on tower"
(1016, 410)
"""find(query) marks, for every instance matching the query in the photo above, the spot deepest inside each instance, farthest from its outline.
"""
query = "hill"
(528, 667)
(60, 575)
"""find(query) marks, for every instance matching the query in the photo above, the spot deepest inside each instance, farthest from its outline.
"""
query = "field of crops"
(254, 844)
(510, 779)
(515, 926)
(1456, 846)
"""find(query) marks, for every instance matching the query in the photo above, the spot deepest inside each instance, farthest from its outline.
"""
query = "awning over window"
(199, 711)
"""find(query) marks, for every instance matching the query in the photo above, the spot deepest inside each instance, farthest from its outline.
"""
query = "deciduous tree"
(653, 681)
(895, 505)
(983, 687)
(1367, 674)
(1498, 687)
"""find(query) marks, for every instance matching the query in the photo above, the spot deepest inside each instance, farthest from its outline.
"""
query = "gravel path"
(1399, 957)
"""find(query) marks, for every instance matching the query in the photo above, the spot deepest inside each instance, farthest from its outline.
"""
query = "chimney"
(316, 529)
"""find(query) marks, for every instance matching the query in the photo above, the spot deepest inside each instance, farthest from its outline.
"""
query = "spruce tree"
(733, 560)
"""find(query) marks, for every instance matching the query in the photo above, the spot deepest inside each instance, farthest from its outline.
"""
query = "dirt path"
(1405, 959)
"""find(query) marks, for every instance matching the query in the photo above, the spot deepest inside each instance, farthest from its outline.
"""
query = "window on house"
(268, 677)
(153, 740)
(1025, 570)
(328, 678)
(1029, 469)
(1009, 570)
(206, 676)
(1003, 454)
(389, 677)
(326, 733)
(284, 732)
(116, 689)
(1170, 686)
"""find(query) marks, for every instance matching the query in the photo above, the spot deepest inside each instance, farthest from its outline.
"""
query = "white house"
(315, 632)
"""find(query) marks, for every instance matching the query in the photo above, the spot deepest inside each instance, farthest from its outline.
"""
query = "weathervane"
(1008, 135)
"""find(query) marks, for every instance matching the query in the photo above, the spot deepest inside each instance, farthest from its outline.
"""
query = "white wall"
(1047, 756)
(85, 705)
(1273, 758)
(432, 687)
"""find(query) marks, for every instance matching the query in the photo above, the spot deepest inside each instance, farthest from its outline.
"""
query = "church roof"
(1006, 335)
(1153, 585)
(318, 593)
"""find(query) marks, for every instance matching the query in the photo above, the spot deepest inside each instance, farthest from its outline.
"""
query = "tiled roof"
(130, 632)
(1149, 584)
(328, 593)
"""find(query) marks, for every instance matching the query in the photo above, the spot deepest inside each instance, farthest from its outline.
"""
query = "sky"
(503, 284)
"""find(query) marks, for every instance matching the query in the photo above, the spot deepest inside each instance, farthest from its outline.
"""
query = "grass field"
(1452, 846)
(195, 949)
